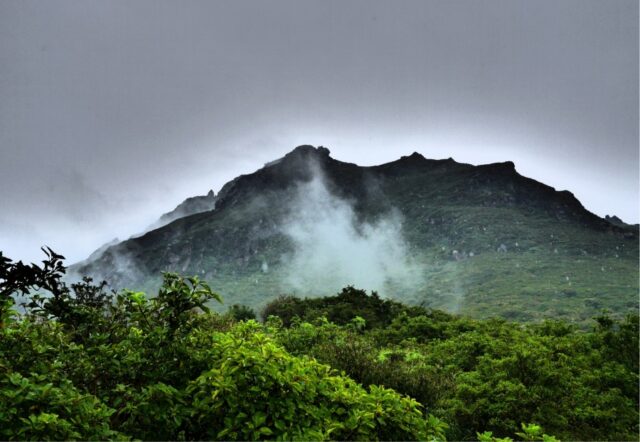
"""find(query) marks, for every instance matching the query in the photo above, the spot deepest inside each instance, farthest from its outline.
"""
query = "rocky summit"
(481, 240)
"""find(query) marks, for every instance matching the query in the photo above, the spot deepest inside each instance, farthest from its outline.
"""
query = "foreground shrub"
(31, 408)
(257, 390)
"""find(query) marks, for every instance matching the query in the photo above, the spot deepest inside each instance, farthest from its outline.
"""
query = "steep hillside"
(482, 240)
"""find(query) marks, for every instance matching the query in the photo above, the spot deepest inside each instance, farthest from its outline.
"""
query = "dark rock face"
(614, 220)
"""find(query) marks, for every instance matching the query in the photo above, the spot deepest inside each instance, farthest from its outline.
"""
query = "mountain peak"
(616, 221)
(307, 150)
(415, 157)
(418, 158)
(502, 168)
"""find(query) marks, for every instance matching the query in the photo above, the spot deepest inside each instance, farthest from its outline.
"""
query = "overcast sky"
(112, 112)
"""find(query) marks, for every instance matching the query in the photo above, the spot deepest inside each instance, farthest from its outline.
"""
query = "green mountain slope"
(481, 240)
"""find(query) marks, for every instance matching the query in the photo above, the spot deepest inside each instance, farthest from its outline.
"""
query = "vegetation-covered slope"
(481, 240)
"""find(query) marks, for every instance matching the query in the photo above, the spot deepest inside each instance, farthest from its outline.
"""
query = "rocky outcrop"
(190, 206)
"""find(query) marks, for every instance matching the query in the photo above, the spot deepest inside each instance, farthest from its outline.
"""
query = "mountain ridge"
(452, 215)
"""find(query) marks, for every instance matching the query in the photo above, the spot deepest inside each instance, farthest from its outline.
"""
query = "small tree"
(241, 312)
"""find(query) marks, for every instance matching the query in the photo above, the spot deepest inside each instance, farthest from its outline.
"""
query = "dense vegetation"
(86, 363)
(476, 375)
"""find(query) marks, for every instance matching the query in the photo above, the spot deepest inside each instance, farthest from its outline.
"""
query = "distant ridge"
(190, 206)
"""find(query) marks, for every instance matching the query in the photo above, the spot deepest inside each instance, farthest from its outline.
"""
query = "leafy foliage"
(120, 365)
(258, 390)
(488, 375)
(32, 408)
(241, 312)
(339, 309)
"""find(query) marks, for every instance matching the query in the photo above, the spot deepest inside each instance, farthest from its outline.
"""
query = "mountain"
(481, 240)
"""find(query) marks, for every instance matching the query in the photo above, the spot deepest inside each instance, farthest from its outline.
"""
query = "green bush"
(257, 390)
(241, 312)
(492, 375)
(32, 408)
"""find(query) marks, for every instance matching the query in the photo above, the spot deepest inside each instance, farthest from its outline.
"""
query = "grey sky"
(112, 112)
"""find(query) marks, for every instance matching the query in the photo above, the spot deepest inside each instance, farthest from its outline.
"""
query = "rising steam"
(333, 250)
